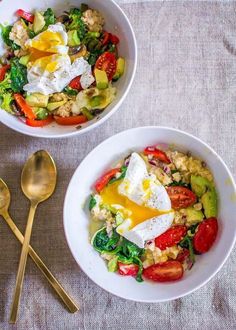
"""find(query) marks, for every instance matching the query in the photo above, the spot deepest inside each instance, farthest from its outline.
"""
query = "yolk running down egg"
(137, 213)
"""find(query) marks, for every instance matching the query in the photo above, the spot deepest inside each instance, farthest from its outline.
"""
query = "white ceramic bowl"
(76, 219)
(116, 22)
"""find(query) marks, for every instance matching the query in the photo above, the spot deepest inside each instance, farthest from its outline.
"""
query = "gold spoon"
(5, 199)
(38, 181)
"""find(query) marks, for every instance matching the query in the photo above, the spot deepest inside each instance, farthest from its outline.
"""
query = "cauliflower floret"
(65, 110)
(161, 175)
(58, 97)
(19, 34)
(93, 20)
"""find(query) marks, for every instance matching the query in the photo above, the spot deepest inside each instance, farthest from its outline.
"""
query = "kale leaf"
(49, 17)
(5, 36)
(76, 22)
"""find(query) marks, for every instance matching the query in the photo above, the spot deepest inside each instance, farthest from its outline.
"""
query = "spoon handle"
(70, 304)
(22, 264)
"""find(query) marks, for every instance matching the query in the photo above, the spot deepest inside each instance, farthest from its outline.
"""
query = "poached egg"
(50, 69)
(142, 201)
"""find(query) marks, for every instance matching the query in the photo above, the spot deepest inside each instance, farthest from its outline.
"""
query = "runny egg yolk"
(47, 41)
(47, 63)
(137, 213)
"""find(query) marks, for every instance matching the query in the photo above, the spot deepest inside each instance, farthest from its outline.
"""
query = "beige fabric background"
(186, 78)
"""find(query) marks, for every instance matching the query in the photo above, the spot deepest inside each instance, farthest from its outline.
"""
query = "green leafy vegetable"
(123, 173)
(103, 243)
(6, 100)
(92, 202)
(76, 23)
(70, 91)
(188, 244)
(49, 17)
(5, 36)
(5, 84)
(180, 183)
(18, 74)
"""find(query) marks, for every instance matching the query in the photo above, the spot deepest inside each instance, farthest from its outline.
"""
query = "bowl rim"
(109, 114)
(189, 135)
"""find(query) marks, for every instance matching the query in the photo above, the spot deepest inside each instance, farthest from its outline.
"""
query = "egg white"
(154, 196)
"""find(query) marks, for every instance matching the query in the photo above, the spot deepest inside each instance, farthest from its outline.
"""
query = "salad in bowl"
(153, 212)
(59, 68)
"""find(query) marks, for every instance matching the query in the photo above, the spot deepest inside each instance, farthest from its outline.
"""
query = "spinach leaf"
(123, 173)
(5, 36)
(103, 243)
(92, 202)
(129, 249)
(49, 17)
(18, 74)
(188, 244)
(140, 264)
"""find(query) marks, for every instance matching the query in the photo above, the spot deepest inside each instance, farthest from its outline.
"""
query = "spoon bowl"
(5, 197)
(38, 178)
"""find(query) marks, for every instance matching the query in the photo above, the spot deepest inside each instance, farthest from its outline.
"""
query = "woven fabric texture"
(186, 78)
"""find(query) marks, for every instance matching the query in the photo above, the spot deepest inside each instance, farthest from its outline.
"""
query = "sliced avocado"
(87, 113)
(113, 264)
(37, 100)
(101, 79)
(209, 202)
(41, 113)
(120, 68)
(96, 101)
(24, 60)
(200, 185)
(193, 216)
(73, 39)
(39, 22)
(54, 105)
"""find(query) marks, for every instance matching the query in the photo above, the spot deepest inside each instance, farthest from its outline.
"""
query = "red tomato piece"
(3, 71)
(170, 237)
(164, 271)
(107, 62)
(128, 270)
(25, 108)
(73, 120)
(27, 16)
(181, 197)
(103, 181)
(114, 39)
(105, 38)
(75, 83)
(205, 235)
(39, 123)
(183, 255)
(157, 153)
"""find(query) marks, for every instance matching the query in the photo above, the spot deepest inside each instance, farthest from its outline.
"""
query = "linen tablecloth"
(186, 78)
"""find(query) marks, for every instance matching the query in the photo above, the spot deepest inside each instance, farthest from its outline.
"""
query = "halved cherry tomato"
(39, 123)
(73, 120)
(127, 270)
(181, 197)
(24, 107)
(75, 83)
(205, 235)
(107, 62)
(157, 153)
(170, 237)
(183, 255)
(3, 71)
(103, 181)
(164, 271)
(106, 37)
(114, 39)
(27, 16)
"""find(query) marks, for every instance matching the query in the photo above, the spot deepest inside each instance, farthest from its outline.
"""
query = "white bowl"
(116, 22)
(76, 220)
